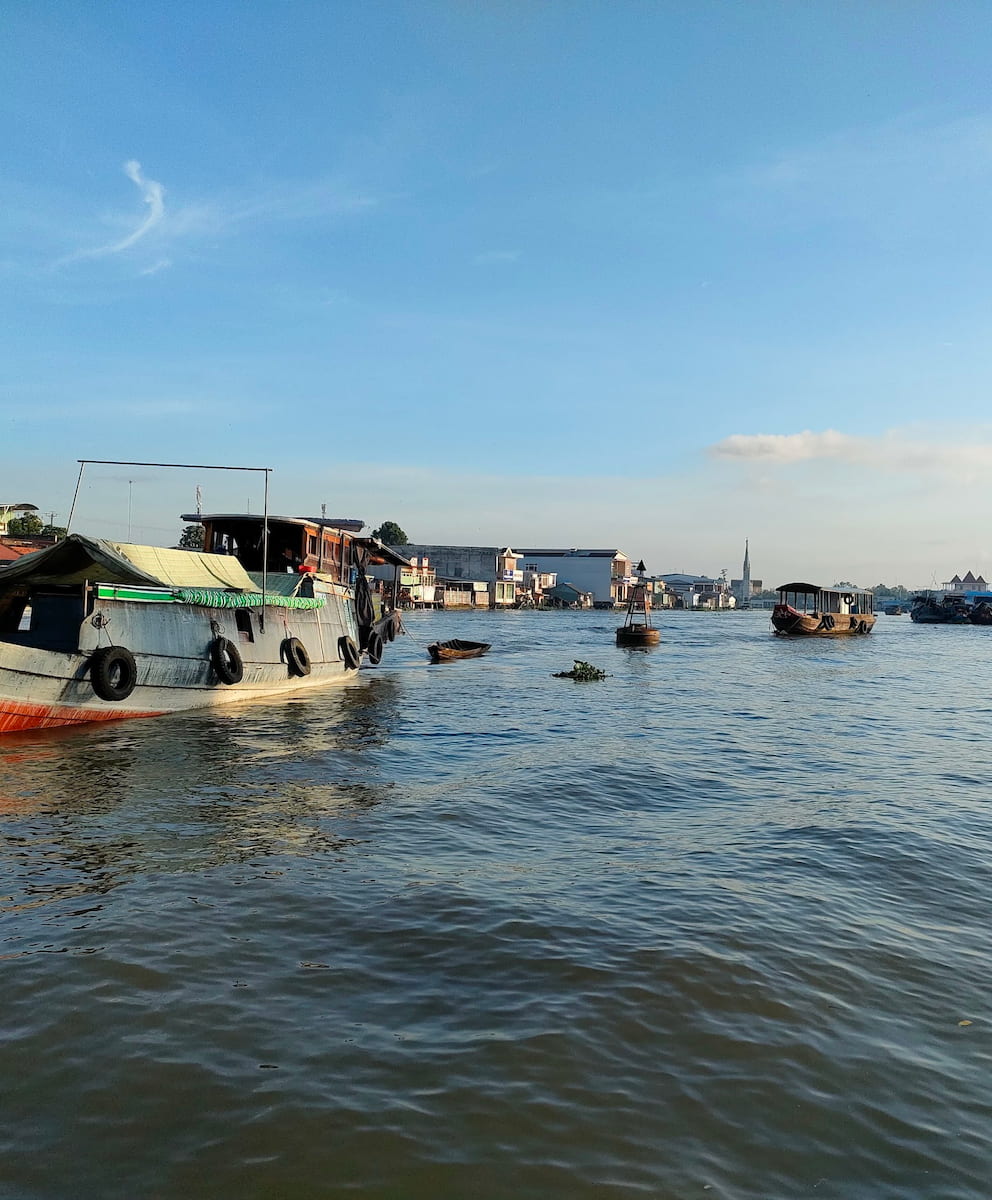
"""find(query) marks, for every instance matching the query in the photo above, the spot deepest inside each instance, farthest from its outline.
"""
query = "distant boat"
(807, 610)
(981, 613)
(893, 610)
(939, 610)
(456, 648)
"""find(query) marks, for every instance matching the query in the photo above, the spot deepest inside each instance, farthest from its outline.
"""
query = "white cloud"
(787, 447)
(896, 451)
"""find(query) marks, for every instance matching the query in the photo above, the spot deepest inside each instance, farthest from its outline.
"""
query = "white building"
(497, 567)
(604, 573)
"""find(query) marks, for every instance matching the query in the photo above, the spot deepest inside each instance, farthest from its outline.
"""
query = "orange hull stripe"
(17, 714)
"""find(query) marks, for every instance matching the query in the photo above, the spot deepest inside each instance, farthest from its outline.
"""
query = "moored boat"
(930, 609)
(981, 613)
(456, 648)
(97, 630)
(807, 610)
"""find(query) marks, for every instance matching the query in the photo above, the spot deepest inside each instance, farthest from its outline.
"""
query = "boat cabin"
(810, 599)
(295, 544)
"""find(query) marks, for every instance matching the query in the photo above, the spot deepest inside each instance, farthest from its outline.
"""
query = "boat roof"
(380, 553)
(811, 588)
(77, 559)
(349, 524)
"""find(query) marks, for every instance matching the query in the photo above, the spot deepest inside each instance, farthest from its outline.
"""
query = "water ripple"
(715, 927)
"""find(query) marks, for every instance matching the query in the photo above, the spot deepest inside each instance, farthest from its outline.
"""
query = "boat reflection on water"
(85, 811)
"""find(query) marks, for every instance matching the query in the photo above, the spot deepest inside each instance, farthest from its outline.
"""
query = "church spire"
(745, 596)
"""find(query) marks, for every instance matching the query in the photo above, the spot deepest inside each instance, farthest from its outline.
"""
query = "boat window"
(242, 618)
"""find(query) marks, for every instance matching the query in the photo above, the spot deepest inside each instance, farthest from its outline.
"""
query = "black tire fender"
(351, 656)
(113, 672)
(374, 648)
(225, 658)
(295, 654)
(392, 627)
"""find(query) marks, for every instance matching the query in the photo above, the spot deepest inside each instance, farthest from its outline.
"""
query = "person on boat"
(291, 561)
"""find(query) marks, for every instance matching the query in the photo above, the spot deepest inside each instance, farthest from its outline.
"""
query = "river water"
(717, 926)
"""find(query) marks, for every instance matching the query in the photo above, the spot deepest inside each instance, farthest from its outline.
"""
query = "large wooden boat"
(807, 610)
(456, 648)
(939, 609)
(98, 630)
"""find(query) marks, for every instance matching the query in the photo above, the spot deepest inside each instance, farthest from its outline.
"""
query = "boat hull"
(450, 651)
(789, 622)
(171, 644)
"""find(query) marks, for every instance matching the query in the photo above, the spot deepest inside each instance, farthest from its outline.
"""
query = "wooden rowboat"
(448, 651)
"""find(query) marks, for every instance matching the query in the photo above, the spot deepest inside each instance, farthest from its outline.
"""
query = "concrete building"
(496, 566)
(604, 573)
(699, 591)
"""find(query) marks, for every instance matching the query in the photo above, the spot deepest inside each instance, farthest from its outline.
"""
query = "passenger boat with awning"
(808, 610)
(94, 630)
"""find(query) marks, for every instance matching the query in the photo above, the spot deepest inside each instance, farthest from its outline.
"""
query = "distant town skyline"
(661, 277)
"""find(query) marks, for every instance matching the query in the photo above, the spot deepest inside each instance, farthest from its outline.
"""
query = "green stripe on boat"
(206, 597)
(218, 599)
(106, 591)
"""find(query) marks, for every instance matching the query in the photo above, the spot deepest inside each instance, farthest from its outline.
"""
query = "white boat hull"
(45, 688)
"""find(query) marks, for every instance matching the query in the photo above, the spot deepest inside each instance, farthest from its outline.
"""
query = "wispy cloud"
(153, 194)
(223, 214)
(901, 176)
(894, 450)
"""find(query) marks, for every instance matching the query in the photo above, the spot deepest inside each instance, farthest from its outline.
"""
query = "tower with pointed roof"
(745, 596)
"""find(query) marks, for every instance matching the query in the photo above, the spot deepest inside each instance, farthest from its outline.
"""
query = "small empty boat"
(456, 648)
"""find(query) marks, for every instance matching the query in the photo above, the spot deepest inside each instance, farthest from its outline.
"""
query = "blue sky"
(656, 275)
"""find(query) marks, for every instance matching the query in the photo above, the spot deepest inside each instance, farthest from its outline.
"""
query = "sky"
(660, 276)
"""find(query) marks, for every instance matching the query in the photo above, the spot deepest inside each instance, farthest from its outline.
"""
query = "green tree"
(57, 532)
(192, 538)
(27, 526)
(391, 534)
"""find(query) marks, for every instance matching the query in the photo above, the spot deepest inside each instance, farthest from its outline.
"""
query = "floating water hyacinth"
(582, 672)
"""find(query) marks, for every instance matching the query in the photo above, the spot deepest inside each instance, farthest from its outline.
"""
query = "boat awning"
(78, 559)
(808, 588)
(187, 568)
